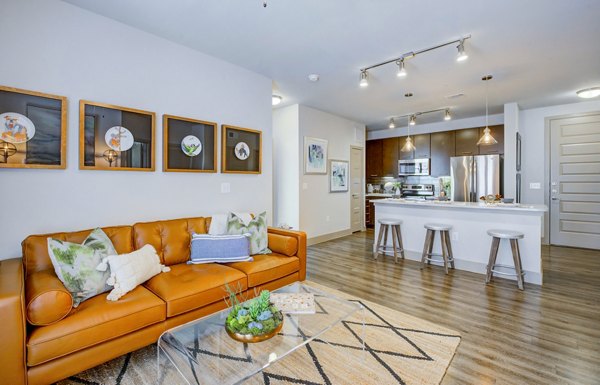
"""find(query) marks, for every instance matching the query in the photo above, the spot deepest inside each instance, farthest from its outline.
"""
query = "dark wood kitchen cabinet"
(374, 158)
(498, 134)
(466, 142)
(389, 165)
(422, 146)
(442, 149)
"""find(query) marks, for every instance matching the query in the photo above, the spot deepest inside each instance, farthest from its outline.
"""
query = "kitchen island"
(470, 222)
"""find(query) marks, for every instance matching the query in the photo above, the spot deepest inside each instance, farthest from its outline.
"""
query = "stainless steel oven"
(413, 167)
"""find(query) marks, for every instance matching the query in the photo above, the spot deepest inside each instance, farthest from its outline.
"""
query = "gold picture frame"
(175, 158)
(241, 150)
(96, 119)
(47, 148)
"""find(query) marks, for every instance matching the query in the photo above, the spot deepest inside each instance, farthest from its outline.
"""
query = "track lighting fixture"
(447, 115)
(399, 61)
(364, 78)
(462, 55)
(276, 99)
(486, 139)
(401, 70)
(413, 120)
(392, 123)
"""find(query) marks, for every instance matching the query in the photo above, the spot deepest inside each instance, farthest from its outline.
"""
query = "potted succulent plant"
(254, 320)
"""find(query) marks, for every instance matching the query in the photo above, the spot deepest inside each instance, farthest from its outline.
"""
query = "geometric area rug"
(399, 349)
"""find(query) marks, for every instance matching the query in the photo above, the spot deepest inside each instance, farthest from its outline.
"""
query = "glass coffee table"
(201, 351)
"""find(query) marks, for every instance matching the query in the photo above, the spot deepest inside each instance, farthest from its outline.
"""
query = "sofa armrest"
(300, 237)
(12, 319)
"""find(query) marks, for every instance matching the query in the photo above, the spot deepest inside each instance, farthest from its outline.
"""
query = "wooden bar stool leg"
(400, 244)
(444, 250)
(428, 238)
(514, 245)
(492, 259)
(378, 244)
(385, 235)
(430, 245)
(449, 249)
(394, 243)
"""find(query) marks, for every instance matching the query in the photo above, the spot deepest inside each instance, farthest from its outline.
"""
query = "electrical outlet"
(454, 235)
(535, 186)
(225, 188)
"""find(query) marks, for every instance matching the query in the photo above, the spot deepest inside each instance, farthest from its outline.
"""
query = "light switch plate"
(535, 186)
(225, 188)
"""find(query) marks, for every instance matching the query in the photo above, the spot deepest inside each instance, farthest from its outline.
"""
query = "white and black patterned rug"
(398, 349)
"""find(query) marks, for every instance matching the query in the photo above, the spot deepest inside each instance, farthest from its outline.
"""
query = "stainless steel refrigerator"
(475, 176)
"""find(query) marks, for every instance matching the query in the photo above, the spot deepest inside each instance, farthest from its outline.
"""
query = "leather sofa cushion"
(171, 239)
(46, 298)
(35, 247)
(282, 244)
(94, 321)
(267, 267)
(189, 287)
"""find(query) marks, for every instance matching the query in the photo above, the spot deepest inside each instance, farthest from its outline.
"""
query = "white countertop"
(378, 195)
(463, 205)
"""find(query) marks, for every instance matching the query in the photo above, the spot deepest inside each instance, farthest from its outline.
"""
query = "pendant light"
(408, 145)
(486, 139)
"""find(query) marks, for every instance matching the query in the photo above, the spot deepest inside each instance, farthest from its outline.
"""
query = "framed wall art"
(315, 155)
(189, 145)
(241, 151)
(115, 138)
(33, 129)
(338, 175)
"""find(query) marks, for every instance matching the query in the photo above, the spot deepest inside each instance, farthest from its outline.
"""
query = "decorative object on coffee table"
(241, 151)
(189, 145)
(128, 132)
(338, 175)
(315, 155)
(253, 321)
(33, 128)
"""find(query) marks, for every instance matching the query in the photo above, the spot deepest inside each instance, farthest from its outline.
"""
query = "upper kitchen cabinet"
(390, 157)
(374, 157)
(498, 134)
(422, 146)
(442, 149)
(466, 142)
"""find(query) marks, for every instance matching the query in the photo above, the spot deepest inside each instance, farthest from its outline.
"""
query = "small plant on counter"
(252, 318)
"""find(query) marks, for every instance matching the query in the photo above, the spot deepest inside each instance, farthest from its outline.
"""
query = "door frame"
(362, 186)
(548, 170)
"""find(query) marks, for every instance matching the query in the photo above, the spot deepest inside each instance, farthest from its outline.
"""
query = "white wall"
(286, 166)
(322, 212)
(535, 132)
(511, 127)
(60, 49)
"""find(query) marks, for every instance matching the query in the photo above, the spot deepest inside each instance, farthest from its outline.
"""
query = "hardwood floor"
(544, 335)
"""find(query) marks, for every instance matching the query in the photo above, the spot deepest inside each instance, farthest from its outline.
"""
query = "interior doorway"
(357, 198)
(575, 181)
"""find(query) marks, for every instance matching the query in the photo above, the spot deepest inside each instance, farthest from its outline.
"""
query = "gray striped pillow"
(207, 248)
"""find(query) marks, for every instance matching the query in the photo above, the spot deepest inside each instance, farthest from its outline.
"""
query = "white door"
(575, 181)
(356, 189)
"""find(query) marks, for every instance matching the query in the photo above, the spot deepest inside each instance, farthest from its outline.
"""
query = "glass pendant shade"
(408, 145)
(486, 139)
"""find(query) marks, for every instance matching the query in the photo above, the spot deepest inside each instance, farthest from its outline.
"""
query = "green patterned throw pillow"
(75, 264)
(257, 228)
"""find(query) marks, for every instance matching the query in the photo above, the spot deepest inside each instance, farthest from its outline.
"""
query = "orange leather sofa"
(100, 330)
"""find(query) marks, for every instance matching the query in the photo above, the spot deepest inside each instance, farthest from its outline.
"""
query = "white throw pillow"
(127, 271)
(218, 222)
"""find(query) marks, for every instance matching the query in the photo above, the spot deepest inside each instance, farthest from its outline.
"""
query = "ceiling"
(539, 52)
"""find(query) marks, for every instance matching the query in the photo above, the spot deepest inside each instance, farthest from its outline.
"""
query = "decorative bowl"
(250, 338)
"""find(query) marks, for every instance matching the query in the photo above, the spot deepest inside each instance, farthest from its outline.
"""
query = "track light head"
(413, 120)
(392, 123)
(364, 78)
(462, 55)
(401, 70)
(447, 115)
(276, 99)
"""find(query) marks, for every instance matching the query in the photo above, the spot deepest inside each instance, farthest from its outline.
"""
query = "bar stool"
(447, 256)
(397, 246)
(514, 237)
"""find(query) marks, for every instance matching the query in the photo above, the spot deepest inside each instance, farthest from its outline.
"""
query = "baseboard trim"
(328, 237)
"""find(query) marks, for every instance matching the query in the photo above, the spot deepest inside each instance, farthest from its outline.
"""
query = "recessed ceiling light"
(588, 93)
(408, 94)
(276, 99)
(314, 77)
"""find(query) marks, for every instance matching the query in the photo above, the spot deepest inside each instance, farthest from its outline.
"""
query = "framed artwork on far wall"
(33, 129)
(241, 150)
(315, 155)
(338, 175)
(189, 145)
(115, 138)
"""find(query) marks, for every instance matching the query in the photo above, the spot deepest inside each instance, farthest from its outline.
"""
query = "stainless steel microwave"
(413, 167)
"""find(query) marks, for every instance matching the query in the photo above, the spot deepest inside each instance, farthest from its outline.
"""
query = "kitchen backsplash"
(379, 182)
